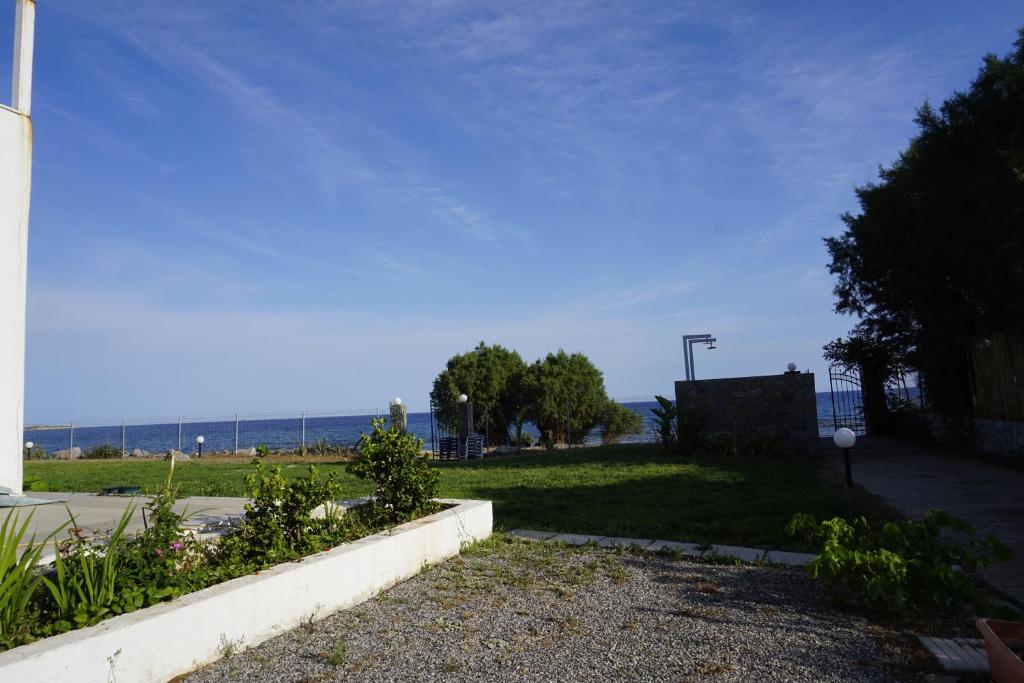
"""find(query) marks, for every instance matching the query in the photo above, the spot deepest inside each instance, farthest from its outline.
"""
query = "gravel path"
(510, 610)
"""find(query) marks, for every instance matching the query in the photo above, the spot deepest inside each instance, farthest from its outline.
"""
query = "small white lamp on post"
(199, 443)
(399, 415)
(28, 449)
(845, 438)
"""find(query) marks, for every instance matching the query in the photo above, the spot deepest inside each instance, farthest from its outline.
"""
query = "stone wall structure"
(780, 407)
(999, 437)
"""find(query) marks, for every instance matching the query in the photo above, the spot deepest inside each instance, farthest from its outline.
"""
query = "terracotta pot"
(1004, 642)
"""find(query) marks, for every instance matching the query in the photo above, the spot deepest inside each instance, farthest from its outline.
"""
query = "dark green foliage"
(666, 416)
(104, 451)
(903, 565)
(280, 524)
(565, 391)
(19, 580)
(937, 249)
(405, 482)
(492, 376)
(618, 421)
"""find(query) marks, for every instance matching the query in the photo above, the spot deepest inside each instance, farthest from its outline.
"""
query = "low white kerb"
(159, 643)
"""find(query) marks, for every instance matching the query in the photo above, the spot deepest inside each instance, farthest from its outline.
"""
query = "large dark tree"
(493, 377)
(936, 254)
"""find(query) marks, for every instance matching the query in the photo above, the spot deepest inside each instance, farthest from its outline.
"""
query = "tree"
(936, 254)
(617, 421)
(565, 390)
(493, 377)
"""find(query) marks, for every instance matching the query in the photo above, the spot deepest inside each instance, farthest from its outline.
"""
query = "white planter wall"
(158, 643)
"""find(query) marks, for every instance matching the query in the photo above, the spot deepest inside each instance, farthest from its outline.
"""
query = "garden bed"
(160, 642)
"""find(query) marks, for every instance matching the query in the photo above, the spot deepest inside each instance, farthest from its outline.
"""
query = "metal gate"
(847, 398)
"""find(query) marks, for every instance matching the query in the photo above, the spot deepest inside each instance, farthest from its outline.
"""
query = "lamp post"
(688, 341)
(845, 438)
(199, 444)
(28, 448)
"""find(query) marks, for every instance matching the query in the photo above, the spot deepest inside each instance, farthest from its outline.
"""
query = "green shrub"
(666, 416)
(904, 565)
(37, 452)
(104, 451)
(323, 447)
(18, 581)
(85, 586)
(690, 431)
(405, 482)
(618, 421)
(279, 523)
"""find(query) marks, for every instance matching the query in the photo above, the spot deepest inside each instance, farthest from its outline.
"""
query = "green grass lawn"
(611, 490)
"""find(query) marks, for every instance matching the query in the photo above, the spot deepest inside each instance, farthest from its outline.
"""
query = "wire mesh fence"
(317, 432)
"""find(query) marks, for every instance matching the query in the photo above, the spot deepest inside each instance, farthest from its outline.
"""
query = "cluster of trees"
(558, 392)
(935, 257)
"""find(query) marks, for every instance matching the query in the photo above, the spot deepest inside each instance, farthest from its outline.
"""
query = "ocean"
(286, 431)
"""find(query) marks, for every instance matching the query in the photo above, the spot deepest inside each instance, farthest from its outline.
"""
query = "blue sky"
(261, 206)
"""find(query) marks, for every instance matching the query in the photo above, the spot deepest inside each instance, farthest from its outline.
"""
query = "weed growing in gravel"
(452, 665)
(337, 655)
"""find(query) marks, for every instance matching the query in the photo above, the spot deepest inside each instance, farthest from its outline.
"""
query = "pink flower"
(177, 545)
(159, 553)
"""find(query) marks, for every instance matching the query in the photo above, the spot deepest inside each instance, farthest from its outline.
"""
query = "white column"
(15, 189)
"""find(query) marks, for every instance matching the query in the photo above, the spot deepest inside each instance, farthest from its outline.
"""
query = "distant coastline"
(34, 428)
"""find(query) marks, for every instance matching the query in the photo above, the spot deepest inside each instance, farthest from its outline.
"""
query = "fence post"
(179, 432)
(302, 449)
(123, 451)
(71, 440)
(236, 432)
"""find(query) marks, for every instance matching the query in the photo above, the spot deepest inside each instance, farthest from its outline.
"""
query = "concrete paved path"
(914, 479)
(99, 513)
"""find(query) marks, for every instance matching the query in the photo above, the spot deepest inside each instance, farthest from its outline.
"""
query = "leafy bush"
(618, 421)
(37, 452)
(279, 523)
(666, 416)
(405, 482)
(104, 451)
(905, 564)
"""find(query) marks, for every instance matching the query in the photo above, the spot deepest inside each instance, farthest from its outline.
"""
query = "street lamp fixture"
(845, 438)
(688, 341)
(398, 400)
(28, 448)
(199, 442)
(463, 398)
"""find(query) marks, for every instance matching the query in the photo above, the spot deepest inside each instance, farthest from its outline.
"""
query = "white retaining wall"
(158, 643)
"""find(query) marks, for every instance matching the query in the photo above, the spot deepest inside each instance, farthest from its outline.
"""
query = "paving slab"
(958, 655)
(617, 542)
(676, 546)
(575, 539)
(914, 479)
(790, 558)
(751, 555)
(100, 513)
(531, 535)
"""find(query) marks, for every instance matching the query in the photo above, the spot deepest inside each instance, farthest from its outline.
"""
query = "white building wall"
(15, 188)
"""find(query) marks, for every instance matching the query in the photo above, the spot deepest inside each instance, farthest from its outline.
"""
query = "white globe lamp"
(200, 440)
(845, 438)
(463, 398)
